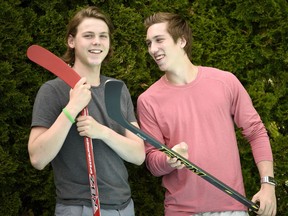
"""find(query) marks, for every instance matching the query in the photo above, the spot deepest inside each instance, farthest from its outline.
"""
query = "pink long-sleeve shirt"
(202, 114)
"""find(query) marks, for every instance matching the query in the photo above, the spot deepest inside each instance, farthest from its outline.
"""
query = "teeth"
(95, 51)
(159, 57)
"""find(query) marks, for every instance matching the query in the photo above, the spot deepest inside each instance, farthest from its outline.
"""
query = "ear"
(182, 42)
(70, 42)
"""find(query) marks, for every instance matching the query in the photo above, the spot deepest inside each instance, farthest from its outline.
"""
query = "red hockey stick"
(57, 66)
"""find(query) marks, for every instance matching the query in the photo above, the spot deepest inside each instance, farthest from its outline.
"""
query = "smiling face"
(161, 46)
(91, 43)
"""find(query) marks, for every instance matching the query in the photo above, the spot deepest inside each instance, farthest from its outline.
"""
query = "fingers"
(175, 163)
(84, 121)
(266, 208)
(81, 82)
(83, 125)
(80, 95)
(182, 149)
(82, 86)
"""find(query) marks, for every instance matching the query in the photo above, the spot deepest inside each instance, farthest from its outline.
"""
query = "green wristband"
(68, 115)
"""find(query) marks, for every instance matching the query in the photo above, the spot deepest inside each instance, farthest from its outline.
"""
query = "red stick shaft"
(91, 172)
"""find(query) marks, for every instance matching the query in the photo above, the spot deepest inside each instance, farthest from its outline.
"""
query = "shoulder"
(152, 90)
(211, 72)
(218, 75)
(104, 79)
(55, 83)
(53, 88)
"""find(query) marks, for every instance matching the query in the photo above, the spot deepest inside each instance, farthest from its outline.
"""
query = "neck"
(92, 74)
(182, 75)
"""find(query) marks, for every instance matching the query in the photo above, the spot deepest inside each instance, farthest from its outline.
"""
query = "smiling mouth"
(97, 51)
(159, 57)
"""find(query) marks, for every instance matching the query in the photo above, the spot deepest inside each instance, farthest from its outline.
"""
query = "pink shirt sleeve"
(159, 167)
(248, 120)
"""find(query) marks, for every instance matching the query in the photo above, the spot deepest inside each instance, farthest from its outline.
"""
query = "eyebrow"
(155, 37)
(91, 32)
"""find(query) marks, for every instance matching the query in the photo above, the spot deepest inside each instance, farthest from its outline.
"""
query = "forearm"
(156, 162)
(129, 147)
(265, 168)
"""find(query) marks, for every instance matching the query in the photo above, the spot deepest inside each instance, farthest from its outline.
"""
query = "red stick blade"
(53, 63)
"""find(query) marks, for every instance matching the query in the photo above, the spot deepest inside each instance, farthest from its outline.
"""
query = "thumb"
(183, 148)
(81, 82)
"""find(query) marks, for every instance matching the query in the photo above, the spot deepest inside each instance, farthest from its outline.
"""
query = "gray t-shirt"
(69, 166)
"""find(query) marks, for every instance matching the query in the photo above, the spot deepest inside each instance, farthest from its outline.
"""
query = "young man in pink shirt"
(193, 109)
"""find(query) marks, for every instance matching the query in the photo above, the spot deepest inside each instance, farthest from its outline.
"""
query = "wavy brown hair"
(72, 27)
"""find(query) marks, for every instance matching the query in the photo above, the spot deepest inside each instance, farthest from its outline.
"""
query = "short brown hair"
(177, 27)
(88, 12)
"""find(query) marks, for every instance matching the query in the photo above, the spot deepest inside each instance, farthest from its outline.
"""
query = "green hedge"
(248, 38)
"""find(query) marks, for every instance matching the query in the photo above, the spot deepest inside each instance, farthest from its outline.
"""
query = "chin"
(162, 68)
(96, 63)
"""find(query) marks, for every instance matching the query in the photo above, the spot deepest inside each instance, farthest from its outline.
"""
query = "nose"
(153, 48)
(96, 40)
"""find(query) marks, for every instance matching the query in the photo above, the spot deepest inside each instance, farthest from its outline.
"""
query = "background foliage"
(248, 38)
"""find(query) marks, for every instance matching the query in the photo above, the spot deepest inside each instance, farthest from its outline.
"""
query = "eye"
(159, 40)
(104, 36)
(148, 43)
(88, 36)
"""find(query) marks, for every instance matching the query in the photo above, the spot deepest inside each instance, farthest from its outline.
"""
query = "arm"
(156, 161)
(45, 143)
(129, 147)
(253, 129)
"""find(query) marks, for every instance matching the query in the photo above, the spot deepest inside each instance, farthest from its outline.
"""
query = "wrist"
(68, 115)
(73, 110)
(105, 133)
(268, 180)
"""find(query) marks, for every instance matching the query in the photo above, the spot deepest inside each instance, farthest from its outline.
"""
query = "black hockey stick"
(112, 101)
